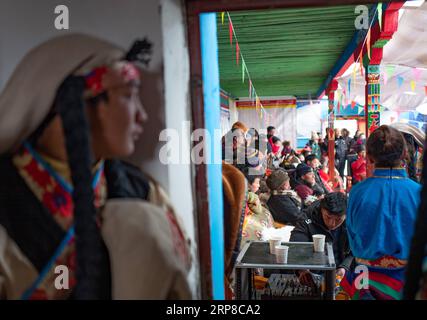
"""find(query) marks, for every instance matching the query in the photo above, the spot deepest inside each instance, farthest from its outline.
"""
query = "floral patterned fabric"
(49, 180)
(256, 220)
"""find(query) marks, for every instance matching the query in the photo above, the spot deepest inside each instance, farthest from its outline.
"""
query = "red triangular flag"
(425, 88)
(353, 104)
(237, 53)
(230, 31)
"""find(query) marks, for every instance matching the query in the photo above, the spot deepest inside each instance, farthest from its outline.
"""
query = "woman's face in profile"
(116, 123)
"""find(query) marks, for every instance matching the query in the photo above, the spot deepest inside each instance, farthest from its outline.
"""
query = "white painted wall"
(165, 94)
(178, 116)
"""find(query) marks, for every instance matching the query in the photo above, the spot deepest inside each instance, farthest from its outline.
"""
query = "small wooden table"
(301, 256)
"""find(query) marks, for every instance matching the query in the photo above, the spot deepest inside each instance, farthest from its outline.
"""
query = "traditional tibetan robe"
(256, 220)
(381, 216)
(37, 234)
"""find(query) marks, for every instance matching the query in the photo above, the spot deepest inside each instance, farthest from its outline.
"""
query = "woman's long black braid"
(418, 243)
(93, 266)
(92, 274)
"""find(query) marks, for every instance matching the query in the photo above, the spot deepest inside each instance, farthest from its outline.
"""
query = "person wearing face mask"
(287, 150)
(326, 217)
(271, 131)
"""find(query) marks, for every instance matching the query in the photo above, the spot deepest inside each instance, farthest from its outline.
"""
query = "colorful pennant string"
(366, 42)
(244, 69)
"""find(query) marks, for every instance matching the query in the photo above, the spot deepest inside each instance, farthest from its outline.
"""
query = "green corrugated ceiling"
(287, 51)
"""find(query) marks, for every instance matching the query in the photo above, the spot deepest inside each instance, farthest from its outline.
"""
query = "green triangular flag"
(243, 70)
(390, 71)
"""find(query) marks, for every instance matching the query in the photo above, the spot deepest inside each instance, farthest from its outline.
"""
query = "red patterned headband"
(95, 80)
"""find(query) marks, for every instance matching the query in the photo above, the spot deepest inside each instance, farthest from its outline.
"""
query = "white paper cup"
(282, 254)
(275, 241)
(319, 242)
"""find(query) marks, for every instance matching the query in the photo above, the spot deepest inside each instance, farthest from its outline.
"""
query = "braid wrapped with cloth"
(92, 258)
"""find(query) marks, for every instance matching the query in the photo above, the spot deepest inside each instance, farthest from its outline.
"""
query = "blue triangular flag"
(400, 81)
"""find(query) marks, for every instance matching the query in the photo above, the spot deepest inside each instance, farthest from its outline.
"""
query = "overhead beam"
(379, 37)
(199, 6)
(348, 56)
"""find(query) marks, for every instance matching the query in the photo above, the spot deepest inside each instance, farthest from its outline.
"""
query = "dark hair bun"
(386, 146)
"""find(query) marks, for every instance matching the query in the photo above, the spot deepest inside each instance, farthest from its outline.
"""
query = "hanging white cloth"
(280, 113)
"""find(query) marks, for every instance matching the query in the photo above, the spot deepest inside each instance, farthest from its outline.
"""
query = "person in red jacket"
(358, 167)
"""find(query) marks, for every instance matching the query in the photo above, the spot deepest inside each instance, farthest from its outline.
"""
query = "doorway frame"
(193, 9)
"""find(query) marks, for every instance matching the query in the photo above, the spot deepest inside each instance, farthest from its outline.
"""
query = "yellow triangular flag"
(257, 106)
(413, 84)
(222, 17)
(338, 97)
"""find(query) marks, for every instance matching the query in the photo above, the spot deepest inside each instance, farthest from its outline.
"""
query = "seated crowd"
(290, 188)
